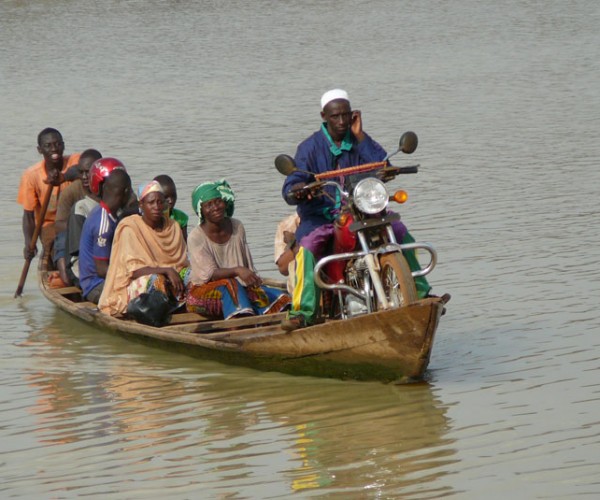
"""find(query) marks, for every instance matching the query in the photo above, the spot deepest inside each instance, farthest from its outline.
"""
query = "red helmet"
(100, 170)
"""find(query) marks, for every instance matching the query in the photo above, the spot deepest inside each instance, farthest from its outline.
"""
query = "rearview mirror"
(285, 164)
(408, 142)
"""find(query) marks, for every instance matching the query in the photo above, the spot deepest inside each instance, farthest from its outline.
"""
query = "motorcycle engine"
(356, 272)
(354, 306)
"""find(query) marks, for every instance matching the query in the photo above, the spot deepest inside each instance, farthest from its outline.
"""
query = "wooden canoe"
(393, 345)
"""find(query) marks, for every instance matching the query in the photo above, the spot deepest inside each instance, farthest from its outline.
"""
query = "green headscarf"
(209, 191)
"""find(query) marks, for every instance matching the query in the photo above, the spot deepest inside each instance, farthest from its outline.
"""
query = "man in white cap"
(340, 142)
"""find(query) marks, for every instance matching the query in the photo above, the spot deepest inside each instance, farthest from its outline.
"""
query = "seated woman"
(222, 280)
(148, 254)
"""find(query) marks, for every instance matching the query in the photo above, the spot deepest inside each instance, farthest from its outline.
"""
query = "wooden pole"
(34, 238)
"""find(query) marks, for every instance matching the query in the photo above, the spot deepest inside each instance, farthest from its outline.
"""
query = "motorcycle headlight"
(371, 196)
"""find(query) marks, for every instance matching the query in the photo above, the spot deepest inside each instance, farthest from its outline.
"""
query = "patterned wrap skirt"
(228, 298)
(155, 283)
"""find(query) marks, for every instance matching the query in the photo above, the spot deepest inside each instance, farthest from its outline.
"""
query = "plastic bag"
(151, 309)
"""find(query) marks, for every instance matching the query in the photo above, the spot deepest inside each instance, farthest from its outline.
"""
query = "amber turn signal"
(343, 219)
(400, 196)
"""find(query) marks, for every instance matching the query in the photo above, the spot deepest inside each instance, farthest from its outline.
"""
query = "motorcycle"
(367, 270)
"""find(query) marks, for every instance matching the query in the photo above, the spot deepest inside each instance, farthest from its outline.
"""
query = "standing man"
(341, 142)
(34, 184)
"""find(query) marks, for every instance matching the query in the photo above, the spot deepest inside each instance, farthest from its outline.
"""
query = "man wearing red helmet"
(108, 179)
(34, 183)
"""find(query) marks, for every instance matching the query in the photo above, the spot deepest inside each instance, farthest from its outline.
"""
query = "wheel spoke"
(397, 280)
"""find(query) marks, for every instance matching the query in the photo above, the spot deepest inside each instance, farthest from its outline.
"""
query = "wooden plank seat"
(207, 325)
(186, 317)
(241, 323)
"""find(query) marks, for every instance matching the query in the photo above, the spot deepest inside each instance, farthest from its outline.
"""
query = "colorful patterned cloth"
(155, 283)
(150, 187)
(227, 298)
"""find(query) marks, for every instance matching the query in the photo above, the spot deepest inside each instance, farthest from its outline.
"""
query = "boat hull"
(388, 346)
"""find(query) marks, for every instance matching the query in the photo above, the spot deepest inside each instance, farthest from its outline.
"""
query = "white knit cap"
(332, 95)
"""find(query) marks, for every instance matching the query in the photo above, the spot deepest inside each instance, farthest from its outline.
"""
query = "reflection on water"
(102, 403)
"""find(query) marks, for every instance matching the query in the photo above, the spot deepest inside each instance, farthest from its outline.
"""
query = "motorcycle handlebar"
(315, 187)
(408, 170)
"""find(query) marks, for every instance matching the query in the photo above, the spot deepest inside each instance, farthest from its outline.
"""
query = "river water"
(505, 98)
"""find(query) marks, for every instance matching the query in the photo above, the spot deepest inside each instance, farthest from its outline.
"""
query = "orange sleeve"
(32, 187)
(72, 159)
(27, 195)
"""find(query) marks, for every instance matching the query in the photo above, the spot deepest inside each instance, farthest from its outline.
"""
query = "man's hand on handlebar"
(300, 191)
(387, 174)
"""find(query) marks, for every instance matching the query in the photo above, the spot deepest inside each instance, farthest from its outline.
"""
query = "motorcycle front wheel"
(396, 277)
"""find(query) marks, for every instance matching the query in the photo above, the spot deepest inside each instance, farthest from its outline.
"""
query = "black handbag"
(151, 309)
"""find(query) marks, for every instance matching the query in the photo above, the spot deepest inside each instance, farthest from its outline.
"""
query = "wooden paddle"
(34, 238)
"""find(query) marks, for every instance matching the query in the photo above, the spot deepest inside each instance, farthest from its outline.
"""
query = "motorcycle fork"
(374, 269)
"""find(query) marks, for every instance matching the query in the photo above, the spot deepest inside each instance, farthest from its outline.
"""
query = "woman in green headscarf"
(223, 281)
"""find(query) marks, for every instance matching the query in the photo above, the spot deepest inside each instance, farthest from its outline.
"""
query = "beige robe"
(206, 256)
(137, 245)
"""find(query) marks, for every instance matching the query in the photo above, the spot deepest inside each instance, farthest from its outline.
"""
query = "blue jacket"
(95, 244)
(314, 155)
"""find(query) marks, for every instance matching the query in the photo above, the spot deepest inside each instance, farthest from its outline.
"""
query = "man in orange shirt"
(34, 184)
